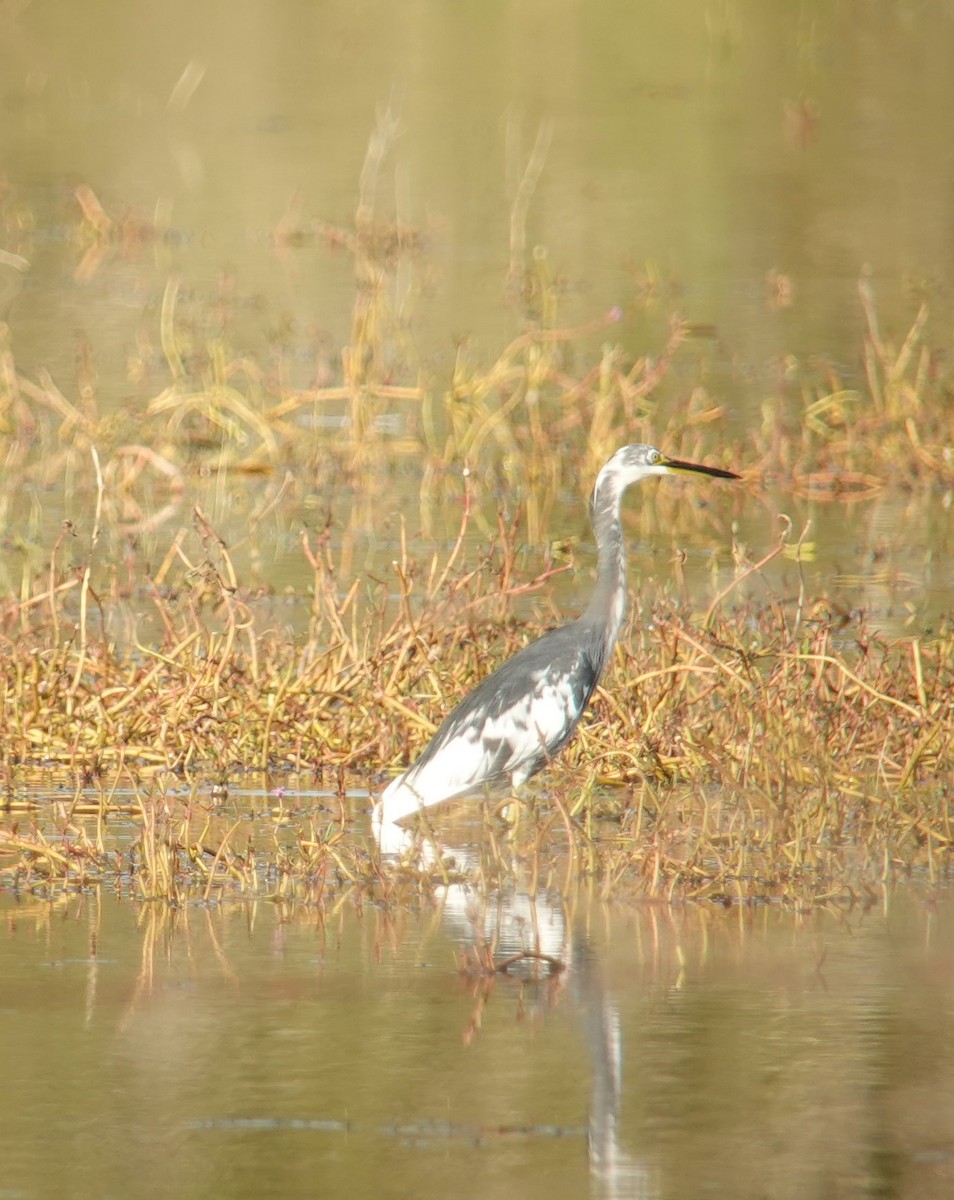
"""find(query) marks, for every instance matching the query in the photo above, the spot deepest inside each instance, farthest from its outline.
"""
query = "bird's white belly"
(513, 744)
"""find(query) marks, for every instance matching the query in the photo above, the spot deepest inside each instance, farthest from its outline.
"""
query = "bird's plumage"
(509, 727)
(517, 719)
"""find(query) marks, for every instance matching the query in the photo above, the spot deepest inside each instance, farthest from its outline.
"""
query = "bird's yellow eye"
(654, 457)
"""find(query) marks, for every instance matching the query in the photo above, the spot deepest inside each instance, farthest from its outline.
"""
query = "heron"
(520, 717)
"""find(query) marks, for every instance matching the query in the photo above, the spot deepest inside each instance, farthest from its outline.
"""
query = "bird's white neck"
(604, 613)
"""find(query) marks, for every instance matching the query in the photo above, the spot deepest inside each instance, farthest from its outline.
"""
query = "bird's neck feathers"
(604, 613)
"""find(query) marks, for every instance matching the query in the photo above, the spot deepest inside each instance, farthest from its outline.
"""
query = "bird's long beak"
(677, 464)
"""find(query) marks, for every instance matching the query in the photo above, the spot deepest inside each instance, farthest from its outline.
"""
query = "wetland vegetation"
(297, 437)
(752, 740)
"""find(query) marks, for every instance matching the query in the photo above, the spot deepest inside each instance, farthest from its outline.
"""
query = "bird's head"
(630, 464)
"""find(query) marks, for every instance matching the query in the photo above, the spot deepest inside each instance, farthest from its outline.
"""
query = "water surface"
(254, 1049)
(735, 163)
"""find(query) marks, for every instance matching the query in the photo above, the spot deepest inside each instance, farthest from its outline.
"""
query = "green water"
(254, 1050)
(691, 155)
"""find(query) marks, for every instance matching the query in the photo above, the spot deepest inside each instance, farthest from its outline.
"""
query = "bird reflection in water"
(529, 936)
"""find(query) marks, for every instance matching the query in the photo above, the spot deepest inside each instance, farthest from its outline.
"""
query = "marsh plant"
(230, 583)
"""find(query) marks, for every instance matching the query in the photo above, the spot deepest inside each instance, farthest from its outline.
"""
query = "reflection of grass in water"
(774, 749)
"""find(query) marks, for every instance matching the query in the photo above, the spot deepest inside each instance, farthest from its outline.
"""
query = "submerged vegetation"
(763, 745)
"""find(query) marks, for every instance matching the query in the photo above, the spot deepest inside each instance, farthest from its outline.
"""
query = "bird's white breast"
(511, 744)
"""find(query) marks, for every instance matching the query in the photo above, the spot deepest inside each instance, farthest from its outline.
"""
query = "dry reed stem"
(793, 760)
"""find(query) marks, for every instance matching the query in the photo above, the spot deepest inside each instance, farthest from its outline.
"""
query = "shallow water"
(703, 157)
(736, 163)
(254, 1049)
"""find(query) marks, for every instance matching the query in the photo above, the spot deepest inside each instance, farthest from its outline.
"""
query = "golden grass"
(752, 752)
(761, 749)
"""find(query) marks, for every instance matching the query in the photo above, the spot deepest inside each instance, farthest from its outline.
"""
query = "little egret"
(519, 718)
